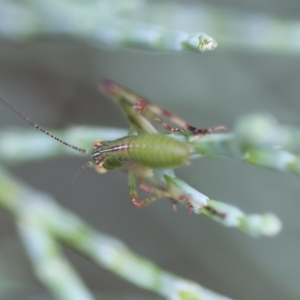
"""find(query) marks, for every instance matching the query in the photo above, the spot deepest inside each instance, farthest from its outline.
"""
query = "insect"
(144, 149)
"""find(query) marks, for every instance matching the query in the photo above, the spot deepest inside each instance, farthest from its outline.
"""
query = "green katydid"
(144, 149)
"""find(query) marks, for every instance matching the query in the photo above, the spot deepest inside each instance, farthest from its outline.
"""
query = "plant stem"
(42, 222)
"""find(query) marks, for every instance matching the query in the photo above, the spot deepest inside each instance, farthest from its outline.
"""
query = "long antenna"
(42, 129)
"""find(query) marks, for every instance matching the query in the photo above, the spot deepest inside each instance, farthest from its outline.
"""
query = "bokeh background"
(54, 80)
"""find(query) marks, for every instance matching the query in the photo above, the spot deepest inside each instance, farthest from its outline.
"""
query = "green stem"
(41, 221)
(111, 24)
(148, 25)
(50, 265)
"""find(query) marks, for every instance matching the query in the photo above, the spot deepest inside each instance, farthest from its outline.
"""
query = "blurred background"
(50, 66)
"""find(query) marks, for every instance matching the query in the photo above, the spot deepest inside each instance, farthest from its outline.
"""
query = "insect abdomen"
(157, 151)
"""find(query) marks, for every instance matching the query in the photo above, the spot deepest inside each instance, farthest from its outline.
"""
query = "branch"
(111, 24)
(257, 139)
(41, 221)
(50, 266)
(149, 25)
(217, 145)
(228, 215)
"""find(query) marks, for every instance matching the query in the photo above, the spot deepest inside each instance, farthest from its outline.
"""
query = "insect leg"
(174, 204)
(159, 193)
(146, 108)
(133, 193)
(152, 190)
(131, 130)
(187, 202)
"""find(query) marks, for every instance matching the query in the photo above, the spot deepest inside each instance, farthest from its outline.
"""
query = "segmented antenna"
(42, 129)
(78, 172)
